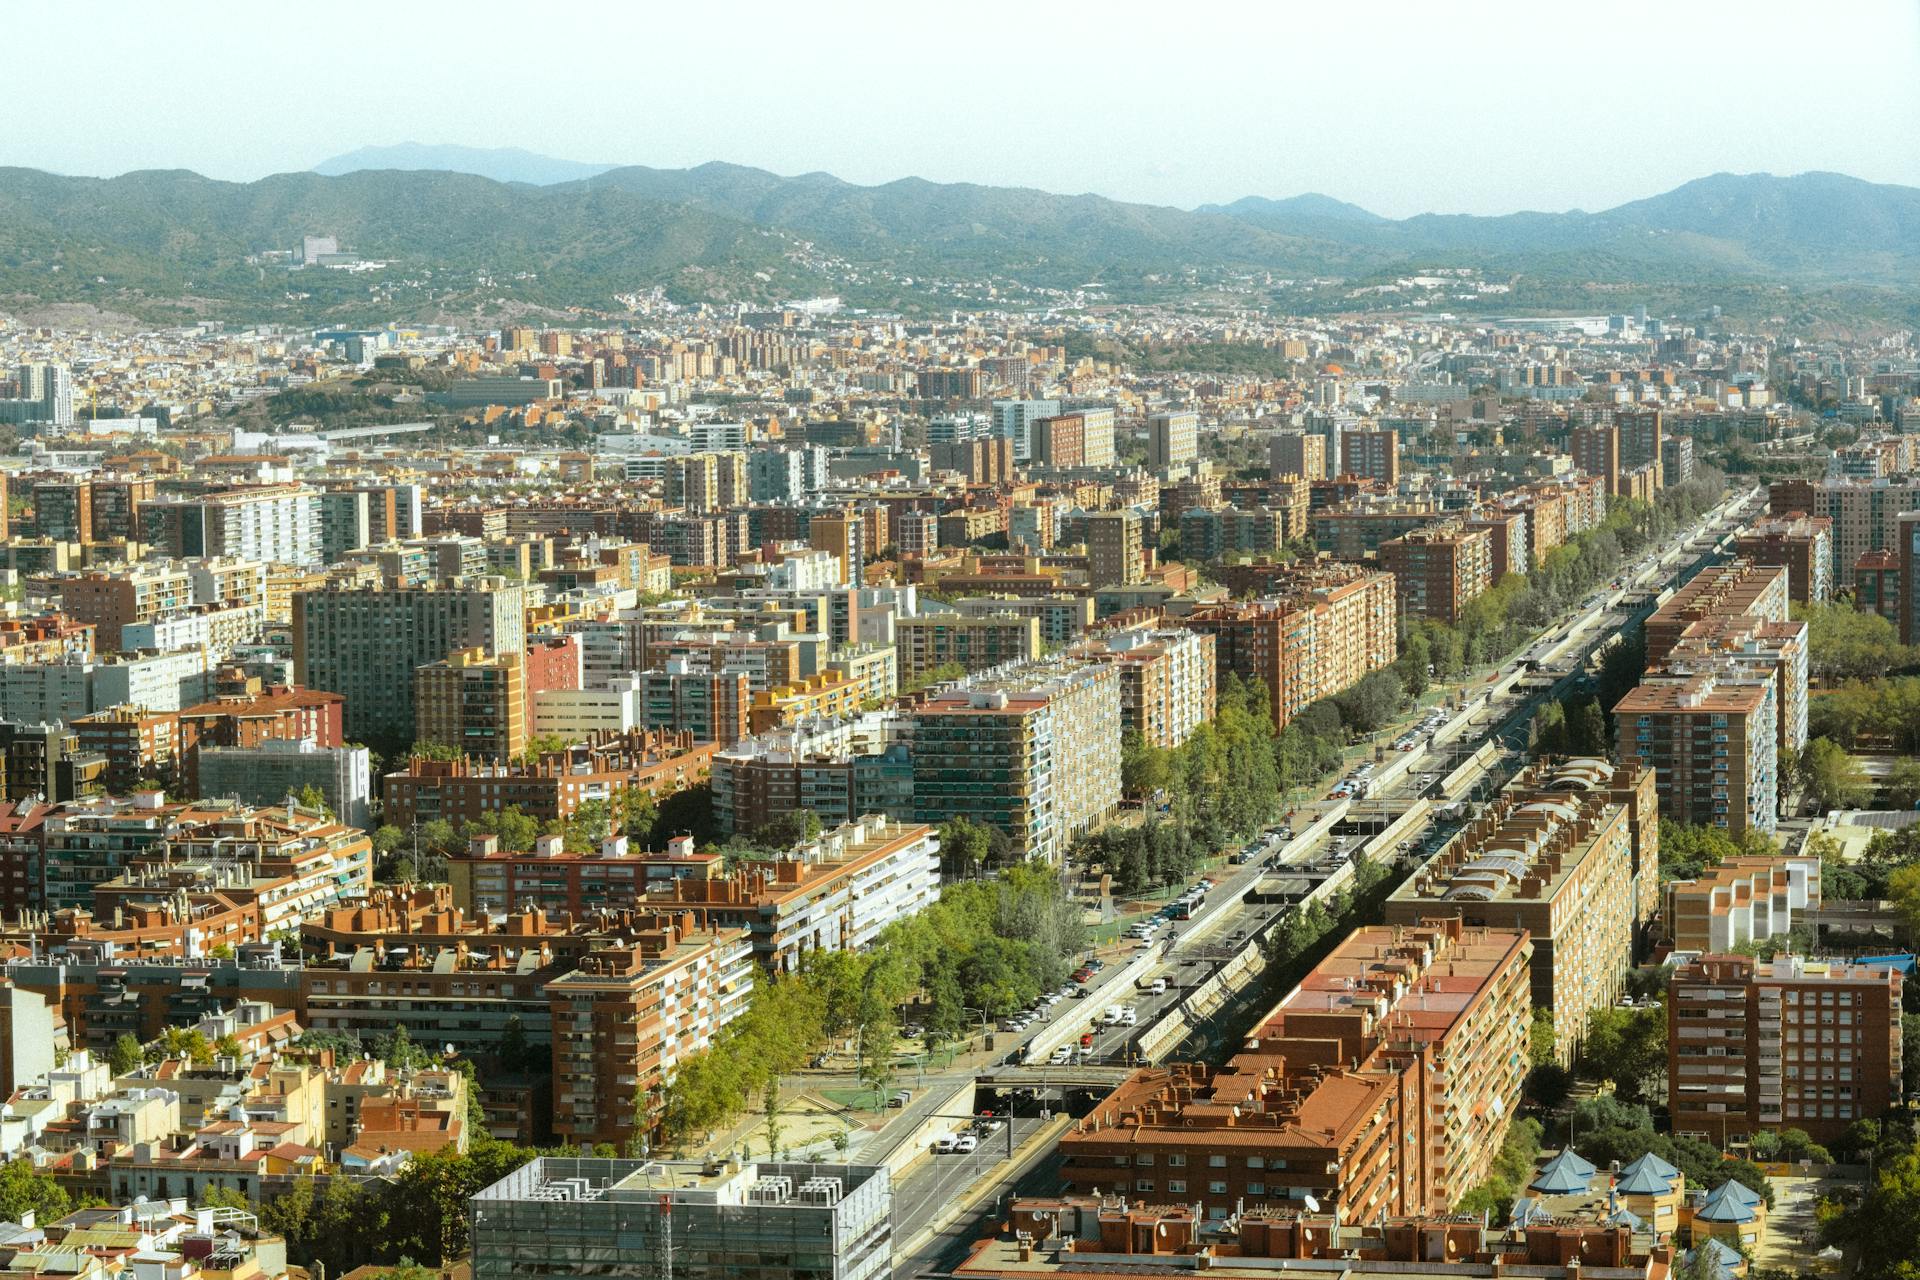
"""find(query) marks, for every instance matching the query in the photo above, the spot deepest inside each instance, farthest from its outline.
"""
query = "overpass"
(1084, 1075)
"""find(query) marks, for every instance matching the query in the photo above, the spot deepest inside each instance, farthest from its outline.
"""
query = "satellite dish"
(1313, 1206)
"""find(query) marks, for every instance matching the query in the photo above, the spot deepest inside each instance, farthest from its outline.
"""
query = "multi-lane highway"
(1451, 764)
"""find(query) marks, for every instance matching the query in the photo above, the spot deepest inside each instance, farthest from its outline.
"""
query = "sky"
(1402, 107)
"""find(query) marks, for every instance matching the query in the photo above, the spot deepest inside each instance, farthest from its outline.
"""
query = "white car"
(944, 1146)
(1062, 1056)
(965, 1143)
(1129, 1016)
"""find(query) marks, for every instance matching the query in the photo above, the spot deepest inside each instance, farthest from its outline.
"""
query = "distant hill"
(172, 244)
(502, 164)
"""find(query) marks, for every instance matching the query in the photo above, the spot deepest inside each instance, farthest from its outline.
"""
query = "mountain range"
(168, 244)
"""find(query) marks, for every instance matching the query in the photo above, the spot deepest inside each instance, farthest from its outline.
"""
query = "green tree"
(24, 1190)
(1627, 1046)
(1903, 889)
(964, 848)
(1540, 1038)
(224, 1198)
(1831, 777)
(125, 1056)
(1903, 783)
(1881, 1234)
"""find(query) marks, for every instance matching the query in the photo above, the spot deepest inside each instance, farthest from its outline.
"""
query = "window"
(1144, 1184)
(1220, 1188)
(1177, 1160)
(1256, 1162)
(1216, 1162)
(1176, 1186)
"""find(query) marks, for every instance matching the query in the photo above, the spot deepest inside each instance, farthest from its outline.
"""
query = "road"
(1190, 951)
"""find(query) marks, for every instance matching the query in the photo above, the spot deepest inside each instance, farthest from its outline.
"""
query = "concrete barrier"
(1470, 768)
(1396, 768)
(916, 1144)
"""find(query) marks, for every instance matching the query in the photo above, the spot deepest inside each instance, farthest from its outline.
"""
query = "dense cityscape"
(923, 663)
(928, 783)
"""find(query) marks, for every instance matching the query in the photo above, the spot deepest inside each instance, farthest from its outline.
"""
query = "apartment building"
(1030, 753)
(366, 643)
(1559, 854)
(686, 697)
(1865, 513)
(113, 601)
(1298, 453)
(829, 694)
(1383, 1083)
(1437, 571)
(1327, 628)
(1876, 583)
(1173, 439)
(1713, 743)
(1114, 553)
(1908, 592)
(1166, 680)
(1063, 618)
(1802, 545)
(271, 523)
(1642, 442)
(629, 1014)
(1744, 899)
(1791, 1043)
(1734, 588)
(975, 641)
(1371, 455)
(1596, 451)
(1507, 531)
(1060, 441)
(552, 787)
(474, 702)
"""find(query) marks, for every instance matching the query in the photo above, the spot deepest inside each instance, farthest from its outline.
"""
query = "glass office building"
(660, 1219)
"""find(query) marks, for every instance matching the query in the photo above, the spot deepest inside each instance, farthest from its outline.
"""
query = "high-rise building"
(366, 643)
(630, 1013)
(1298, 453)
(976, 642)
(474, 702)
(114, 601)
(1790, 1043)
(1383, 1084)
(1713, 743)
(1031, 753)
(272, 523)
(46, 396)
(1114, 554)
(839, 533)
(1173, 439)
(1371, 455)
(1641, 441)
(1096, 435)
(716, 1221)
(1560, 853)
(1060, 441)
(691, 697)
(1865, 513)
(1014, 419)
(1437, 571)
(1319, 634)
(1876, 584)
(1803, 545)
(1166, 680)
(1596, 451)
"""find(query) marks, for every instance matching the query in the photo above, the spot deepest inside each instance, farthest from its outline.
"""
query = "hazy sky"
(1401, 107)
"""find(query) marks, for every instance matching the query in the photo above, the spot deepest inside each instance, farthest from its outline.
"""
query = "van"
(1158, 987)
